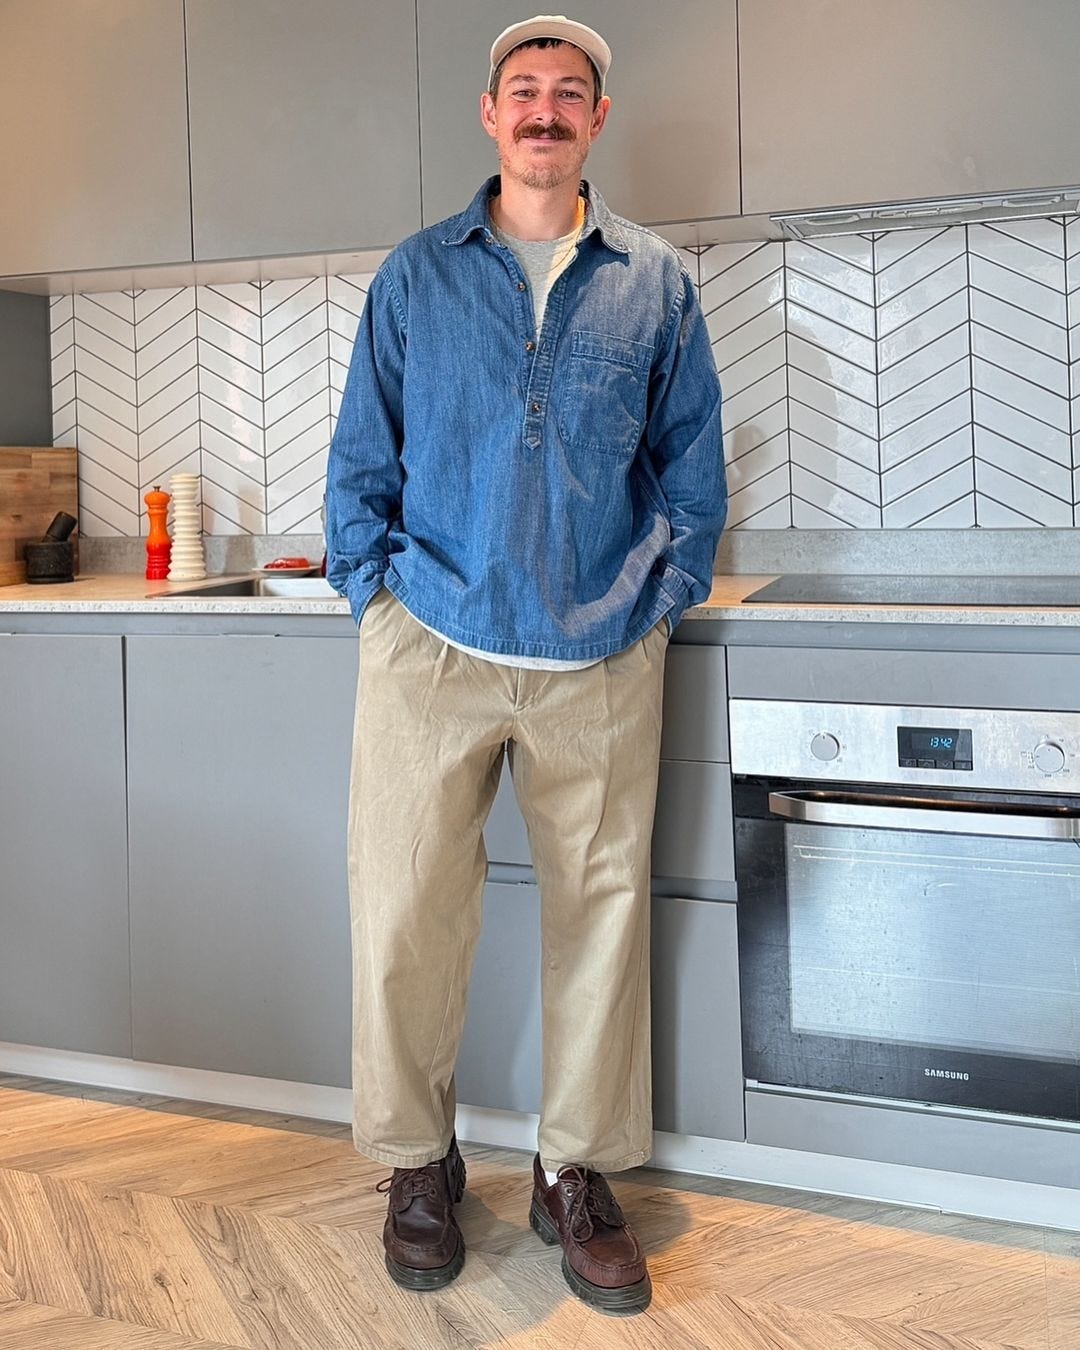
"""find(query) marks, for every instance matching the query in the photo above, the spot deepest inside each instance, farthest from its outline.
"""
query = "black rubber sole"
(421, 1281)
(625, 1302)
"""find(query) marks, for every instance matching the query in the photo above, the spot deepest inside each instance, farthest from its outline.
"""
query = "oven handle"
(820, 810)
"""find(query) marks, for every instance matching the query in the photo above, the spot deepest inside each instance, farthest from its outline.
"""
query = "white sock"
(552, 1177)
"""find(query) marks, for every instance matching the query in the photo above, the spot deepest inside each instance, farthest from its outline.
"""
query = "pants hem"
(397, 1159)
(600, 1165)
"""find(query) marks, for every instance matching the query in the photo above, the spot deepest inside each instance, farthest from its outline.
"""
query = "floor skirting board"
(924, 1188)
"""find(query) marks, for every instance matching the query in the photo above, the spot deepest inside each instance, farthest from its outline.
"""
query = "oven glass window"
(951, 941)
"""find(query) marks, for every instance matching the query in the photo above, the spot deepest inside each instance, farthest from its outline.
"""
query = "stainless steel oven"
(909, 902)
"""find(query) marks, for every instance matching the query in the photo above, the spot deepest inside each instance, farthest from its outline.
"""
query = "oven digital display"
(934, 748)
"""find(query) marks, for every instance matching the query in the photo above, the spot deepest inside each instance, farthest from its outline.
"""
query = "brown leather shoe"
(602, 1261)
(424, 1246)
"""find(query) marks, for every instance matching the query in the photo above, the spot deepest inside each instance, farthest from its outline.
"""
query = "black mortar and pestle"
(53, 559)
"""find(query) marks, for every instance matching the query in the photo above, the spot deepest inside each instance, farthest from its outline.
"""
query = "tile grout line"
(877, 380)
(787, 382)
(971, 381)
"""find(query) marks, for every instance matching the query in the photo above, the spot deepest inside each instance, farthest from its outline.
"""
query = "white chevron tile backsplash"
(835, 471)
(906, 379)
(742, 295)
(1020, 374)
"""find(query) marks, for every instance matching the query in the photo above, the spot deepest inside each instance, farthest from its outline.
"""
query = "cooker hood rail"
(931, 214)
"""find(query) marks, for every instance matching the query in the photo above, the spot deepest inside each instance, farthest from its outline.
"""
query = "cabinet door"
(694, 834)
(885, 100)
(670, 148)
(697, 1041)
(505, 836)
(696, 729)
(304, 133)
(63, 845)
(93, 135)
(695, 704)
(499, 1062)
(697, 1048)
(239, 753)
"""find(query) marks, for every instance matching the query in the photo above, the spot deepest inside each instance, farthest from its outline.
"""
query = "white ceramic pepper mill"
(187, 562)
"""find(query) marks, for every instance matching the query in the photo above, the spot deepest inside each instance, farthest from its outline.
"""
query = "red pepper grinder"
(158, 543)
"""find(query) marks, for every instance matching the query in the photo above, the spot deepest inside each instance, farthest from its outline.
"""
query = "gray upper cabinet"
(849, 101)
(670, 148)
(304, 126)
(93, 135)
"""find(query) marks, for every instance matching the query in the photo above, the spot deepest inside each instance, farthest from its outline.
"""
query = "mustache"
(537, 129)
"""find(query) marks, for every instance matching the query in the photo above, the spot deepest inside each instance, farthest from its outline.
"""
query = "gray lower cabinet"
(304, 126)
(934, 679)
(93, 135)
(64, 980)
(670, 149)
(693, 839)
(505, 837)
(695, 704)
(697, 1023)
(697, 1055)
(239, 751)
(499, 1062)
(693, 834)
(846, 101)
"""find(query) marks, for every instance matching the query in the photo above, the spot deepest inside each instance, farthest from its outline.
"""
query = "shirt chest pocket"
(604, 393)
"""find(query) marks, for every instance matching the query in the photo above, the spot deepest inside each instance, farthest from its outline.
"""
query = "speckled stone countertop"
(127, 593)
(118, 593)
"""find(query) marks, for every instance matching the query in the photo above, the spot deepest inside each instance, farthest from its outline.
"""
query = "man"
(525, 492)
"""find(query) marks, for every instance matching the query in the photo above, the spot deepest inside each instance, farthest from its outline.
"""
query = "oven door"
(916, 945)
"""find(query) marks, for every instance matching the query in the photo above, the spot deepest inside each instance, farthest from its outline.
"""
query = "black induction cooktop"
(896, 592)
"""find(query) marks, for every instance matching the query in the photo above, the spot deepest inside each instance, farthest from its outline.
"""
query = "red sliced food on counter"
(286, 563)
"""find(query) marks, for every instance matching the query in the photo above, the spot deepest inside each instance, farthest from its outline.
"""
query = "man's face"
(542, 119)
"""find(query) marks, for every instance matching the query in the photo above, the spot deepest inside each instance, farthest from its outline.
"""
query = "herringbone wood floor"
(137, 1223)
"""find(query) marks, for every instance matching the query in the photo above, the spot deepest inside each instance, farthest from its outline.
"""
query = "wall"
(910, 379)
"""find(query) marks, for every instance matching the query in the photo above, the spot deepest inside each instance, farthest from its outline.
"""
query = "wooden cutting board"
(35, 483)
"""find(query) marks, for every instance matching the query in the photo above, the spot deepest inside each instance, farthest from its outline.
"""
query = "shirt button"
(536, 407)
(530, 346)
(521, 285)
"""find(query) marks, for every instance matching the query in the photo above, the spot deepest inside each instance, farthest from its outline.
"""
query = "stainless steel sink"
(255, 588)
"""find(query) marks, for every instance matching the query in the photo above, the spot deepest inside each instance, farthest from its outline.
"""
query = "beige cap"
(553, 26)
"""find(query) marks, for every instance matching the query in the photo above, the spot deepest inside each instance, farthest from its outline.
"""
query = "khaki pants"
(431, 727)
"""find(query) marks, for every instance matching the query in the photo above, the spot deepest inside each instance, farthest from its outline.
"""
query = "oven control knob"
(825, 746)
(1049, 757)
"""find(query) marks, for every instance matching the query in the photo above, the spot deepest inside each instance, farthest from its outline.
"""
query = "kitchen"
(898, 403)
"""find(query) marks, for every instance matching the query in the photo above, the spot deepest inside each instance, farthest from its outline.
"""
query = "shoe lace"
(590, 1199)
(406, 1184)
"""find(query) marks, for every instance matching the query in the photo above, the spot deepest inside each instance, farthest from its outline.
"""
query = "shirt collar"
(475, 218)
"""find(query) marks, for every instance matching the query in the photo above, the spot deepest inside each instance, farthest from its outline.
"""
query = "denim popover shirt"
(550, 495)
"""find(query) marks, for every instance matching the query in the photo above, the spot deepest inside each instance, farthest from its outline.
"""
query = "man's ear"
(599, 117)
(487, 113)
